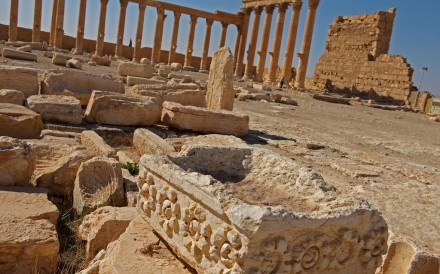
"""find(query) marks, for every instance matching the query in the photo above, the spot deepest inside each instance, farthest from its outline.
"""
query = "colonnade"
(240, 20)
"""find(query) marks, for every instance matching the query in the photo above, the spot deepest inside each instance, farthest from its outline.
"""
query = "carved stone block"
(243, 210)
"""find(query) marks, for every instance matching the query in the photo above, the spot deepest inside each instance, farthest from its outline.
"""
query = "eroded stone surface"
(22, 79)
(11, 96)
(20, 55)
(146, 142)
(96, 144)
(118, 109)
(56, 108)
(220, 94)
(255, 211)
(135, 69)
(204, 120)
(19, 122)
(98, 183)
(192, 97)
(17, 162)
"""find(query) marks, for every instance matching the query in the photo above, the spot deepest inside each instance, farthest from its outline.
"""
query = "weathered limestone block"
(96, 144)
(17, 162)
(27, 48)
(103, 226)
(73, 63)
(27, 203)
(101, 60)
(253, 96)
(11, 96)
(146, 142)
(20, 55)
(145, 61)
(205, 120)
(19, 122)
(56, 108)
(27, 246)
(117, 109)
(59, 59)
(184, 97)
(135, 69)
(220, 93)
(261, 87)
(98, 183)
(133, 80)
(243, 210)
(164, 70)
(176, 66)
(78, 84)
(22, 79)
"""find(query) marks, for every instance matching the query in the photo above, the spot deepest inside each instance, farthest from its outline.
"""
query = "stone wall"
(356, 58)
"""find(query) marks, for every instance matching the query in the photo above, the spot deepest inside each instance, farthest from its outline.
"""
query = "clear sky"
(416, 32)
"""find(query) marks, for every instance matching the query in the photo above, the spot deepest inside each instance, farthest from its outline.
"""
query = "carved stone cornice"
(270, 8)
(283, 7)
(258, 10)
(297, 5)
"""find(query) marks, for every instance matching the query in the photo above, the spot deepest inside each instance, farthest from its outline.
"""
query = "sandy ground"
(391, 158)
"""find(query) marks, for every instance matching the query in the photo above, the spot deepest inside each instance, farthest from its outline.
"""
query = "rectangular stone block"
(19, 122)
(204, 120)
(243, 210)
(146, 142)
(135, 69)
(183, 97)
(20, 55)
(96, 144)
(55, 108)
(21, 79)
(133, 80)
(78, 84)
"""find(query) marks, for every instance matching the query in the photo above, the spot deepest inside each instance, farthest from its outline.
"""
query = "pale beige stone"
(26, 48)
(59, 59)
(176, 66)
(19, 122)
(78, 84)
(22, 79)
(146, 142)
(204, 120)
(164, 70)
(27, 246)
(11, 96)
(92, 141)
(101, 60)
(27, 203)
(98, 183)
(73, 63)
(145, 61)
(184, 97)
(56, 108)
(17, 162)
(247, 210)
(117, 109)
(20, 55)
(135, 69)
(220, 93)
(133, 80)
(104, 226)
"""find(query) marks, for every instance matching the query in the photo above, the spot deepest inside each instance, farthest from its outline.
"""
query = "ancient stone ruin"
(356, 58)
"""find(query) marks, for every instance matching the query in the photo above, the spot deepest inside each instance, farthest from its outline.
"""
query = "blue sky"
(416, 32)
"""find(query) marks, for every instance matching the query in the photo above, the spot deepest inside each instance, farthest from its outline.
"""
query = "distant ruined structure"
(356, 58)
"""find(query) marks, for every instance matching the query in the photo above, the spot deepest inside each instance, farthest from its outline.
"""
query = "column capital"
(177, 15)
(104, 2)
(123, 3)
(142, 6)
(209, 22)
(270, 8)
(160, 11)
(297, 5)
(258, 10)
(247, 11)
(283, 7)
(313, 4)
(224, 25)
(193, 19)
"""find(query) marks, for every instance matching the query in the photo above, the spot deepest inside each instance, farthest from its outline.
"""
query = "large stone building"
(356, 58)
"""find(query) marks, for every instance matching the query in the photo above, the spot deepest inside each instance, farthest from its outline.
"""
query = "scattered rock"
(73, 63)
(145, 61)
(56, 108)
(135, 69)
(22, 79)
(20, 55)
(133, 80)
(19, 122)
(164, 70)
(96, 144)
(11, 96)
(146, 142)
(17, 162)
(101, 60)
(59, 59)
(27, 48)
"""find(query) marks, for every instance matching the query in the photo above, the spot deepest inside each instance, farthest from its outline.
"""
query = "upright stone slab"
(17, 162)
(19, 122)
(21, 79)
(244, 210)
(55, 108)
(220, 94)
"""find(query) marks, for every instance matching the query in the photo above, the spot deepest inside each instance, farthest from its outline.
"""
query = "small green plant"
(133, 168)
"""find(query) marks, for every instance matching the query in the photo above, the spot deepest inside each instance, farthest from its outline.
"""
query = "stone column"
(237, 45)
(101, 28)
(53, 24)
(121, 27)
(59, 31)
(239, 68)
(291, 40)
(174, 36)
(277, 42)
(157, 44)
(264, 43)
(189, 45)
(139, 30)
(306, 43)
(13, 21)
(204, 61)
(80, 29)
(37, 21)
(253, 43)
(223, 36)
